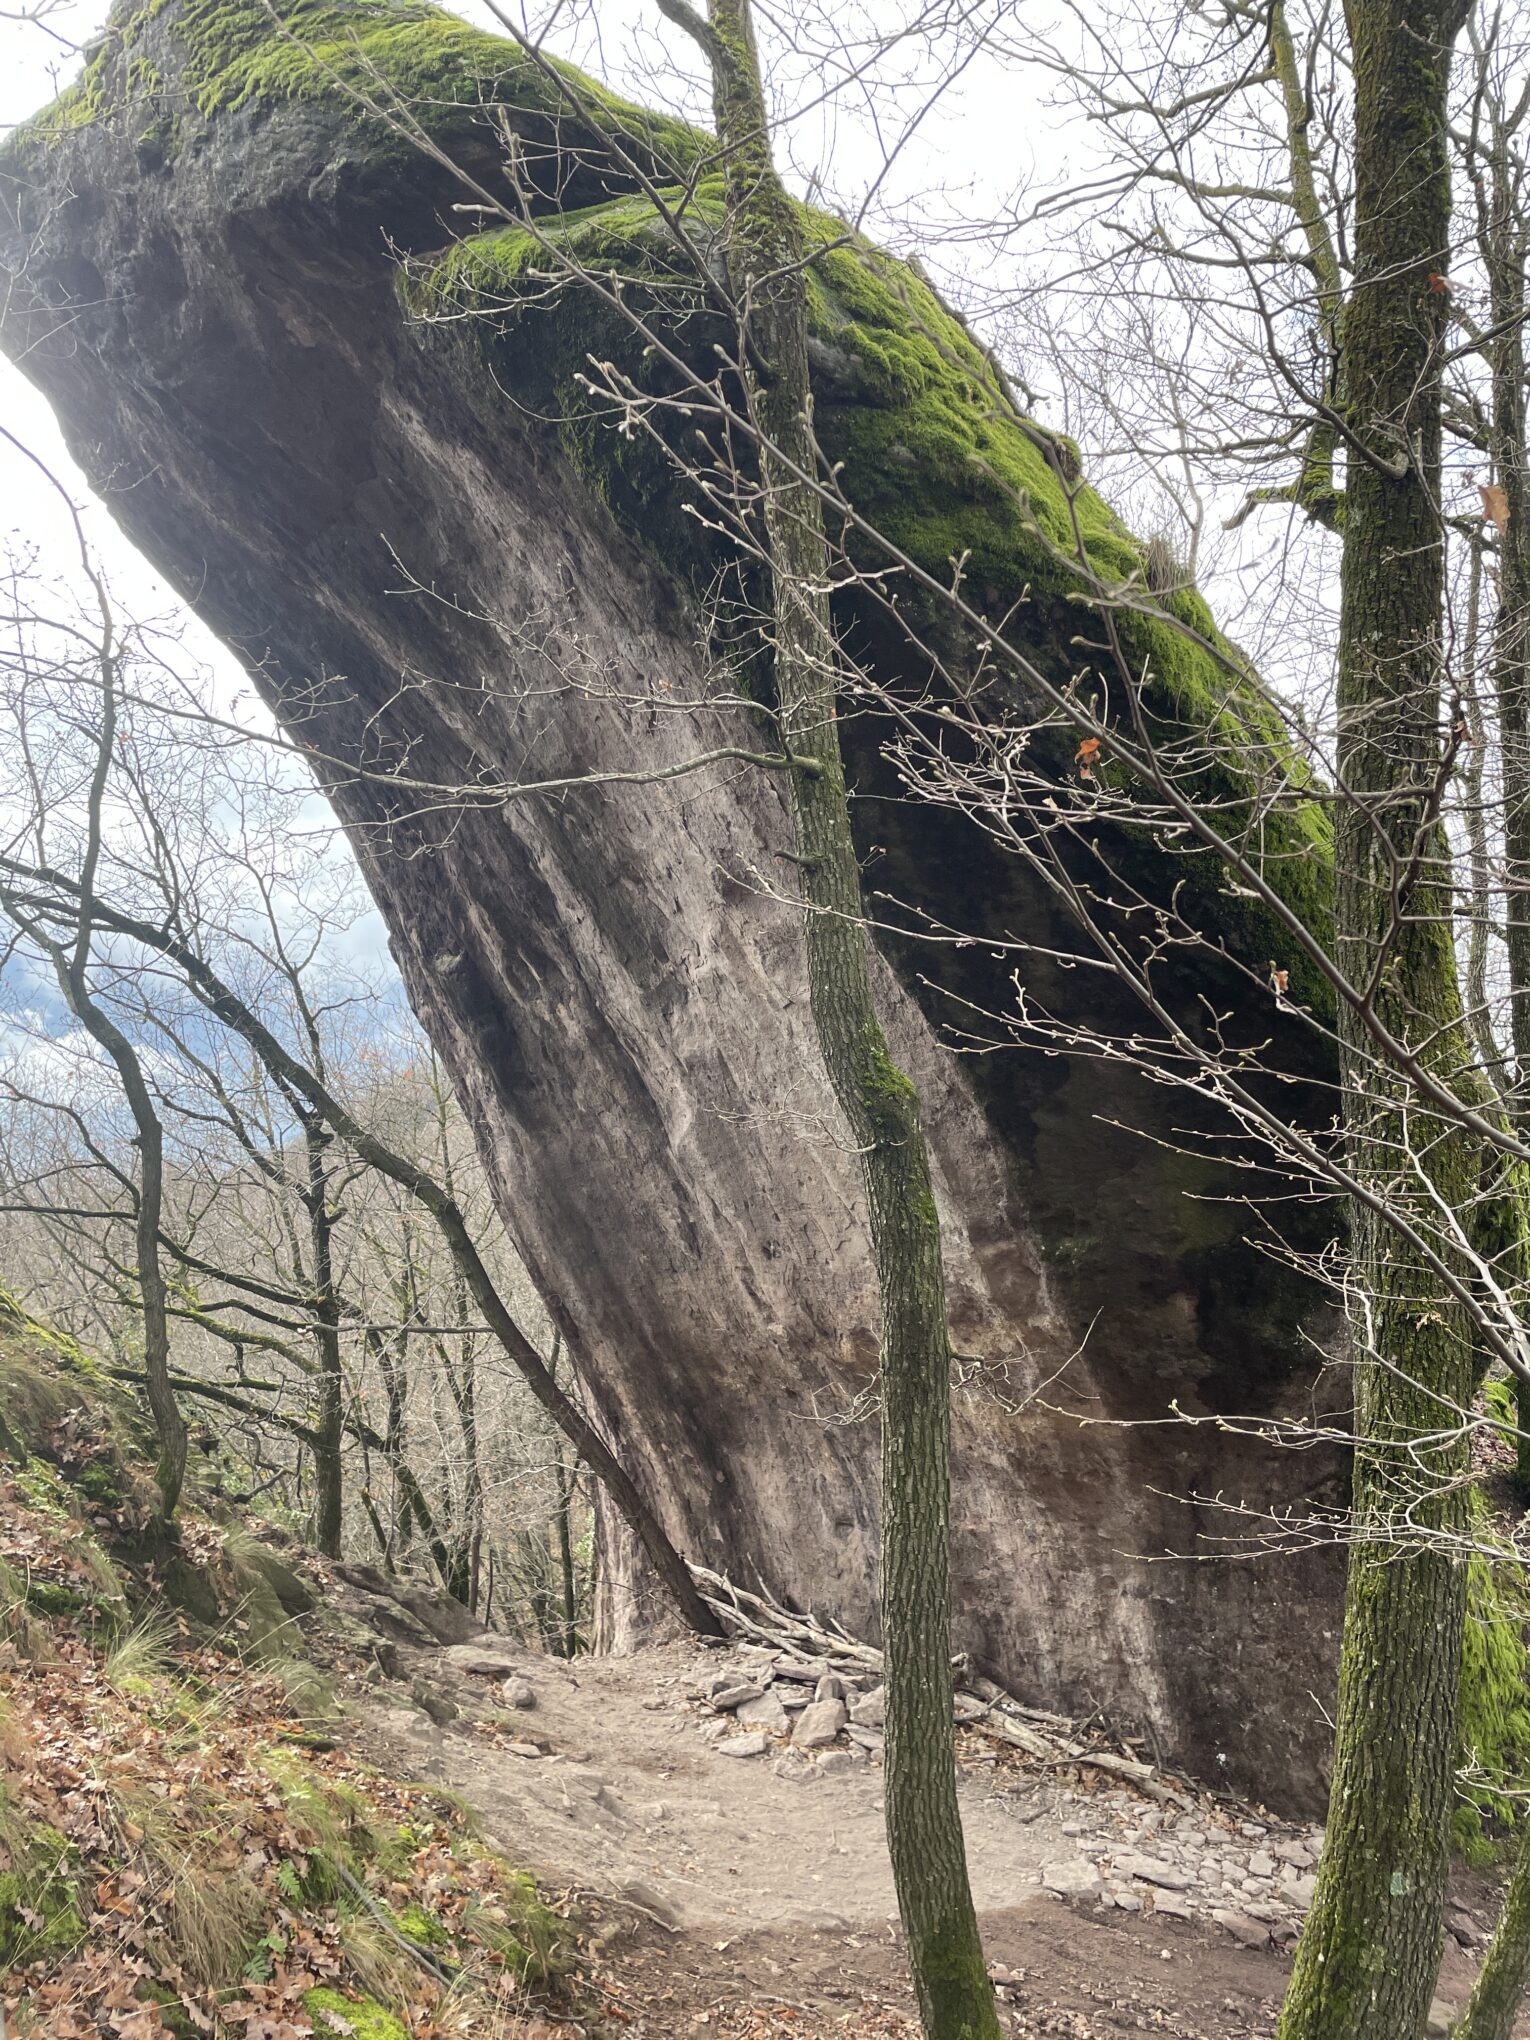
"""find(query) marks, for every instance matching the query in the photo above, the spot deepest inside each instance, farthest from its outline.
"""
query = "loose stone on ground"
(1186, 1859)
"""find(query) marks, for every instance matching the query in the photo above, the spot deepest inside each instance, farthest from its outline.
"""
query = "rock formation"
(368, 454)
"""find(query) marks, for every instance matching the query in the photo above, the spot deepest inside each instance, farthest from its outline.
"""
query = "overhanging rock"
(372, 462)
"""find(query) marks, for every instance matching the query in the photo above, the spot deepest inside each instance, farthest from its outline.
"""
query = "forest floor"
(247, 1793)
(747, 1897)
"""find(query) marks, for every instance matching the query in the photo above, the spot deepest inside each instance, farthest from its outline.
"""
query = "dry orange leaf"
(1495, 504)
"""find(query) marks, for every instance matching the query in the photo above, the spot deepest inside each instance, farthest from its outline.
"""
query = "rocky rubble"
(797, 1707)
(1254, 1883)
(1177, 1856)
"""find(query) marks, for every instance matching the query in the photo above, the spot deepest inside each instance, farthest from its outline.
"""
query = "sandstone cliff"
(366, 452)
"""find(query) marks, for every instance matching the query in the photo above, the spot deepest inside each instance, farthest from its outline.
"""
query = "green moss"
(364, 2018)
(887, 1093)
(335, 1824)
(1494, 1721)
(101, 1485)
(172, 2012)
(48, 1598)
(1499, 1402)
(80, 105)
(420, 1926)
(39, 1916)
(59, 1346)
(929, 454)
(228, 55)
(46, 1494)
(44, 1379)
(43, 1489)
(235, 55)
(523, 1934)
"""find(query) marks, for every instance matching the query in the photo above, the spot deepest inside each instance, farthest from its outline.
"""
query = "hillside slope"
(247, 1793)
(186, 1847)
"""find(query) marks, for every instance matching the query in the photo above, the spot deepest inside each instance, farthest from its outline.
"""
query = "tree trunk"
(766, 251)
(328, 1460)
(71, 965)
(1500, 1988)
(169, 1424)
(1367, 1961)
(1501, 241)
(72, 972)
(1500, 236)
(461, 1372)
(392, 1373)
(461, 1380)
(568, 1478)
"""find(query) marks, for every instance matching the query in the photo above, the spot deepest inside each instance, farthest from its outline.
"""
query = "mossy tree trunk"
(766, 253)
(1500, 1988)
(1367, 1962)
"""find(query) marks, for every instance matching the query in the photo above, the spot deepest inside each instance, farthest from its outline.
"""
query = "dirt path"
(751, 1896)
(634, 1790)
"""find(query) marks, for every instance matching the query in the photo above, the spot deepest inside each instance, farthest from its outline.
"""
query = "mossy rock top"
(941, 480)
(166, 69)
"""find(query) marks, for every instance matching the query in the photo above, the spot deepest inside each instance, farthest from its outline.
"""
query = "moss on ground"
(243, 1857)
(420, 1926)
(520, 1930)
(332, 1821)
(362, 2018)
(40, 1917)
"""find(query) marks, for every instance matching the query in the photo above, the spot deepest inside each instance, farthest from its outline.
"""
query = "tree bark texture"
(767, 255)
(1493, 2007)
(1368, 1957)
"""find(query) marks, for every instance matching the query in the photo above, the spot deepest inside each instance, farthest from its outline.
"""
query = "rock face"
(443, 568)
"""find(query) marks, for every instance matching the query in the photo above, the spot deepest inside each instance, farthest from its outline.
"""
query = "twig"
(1050, 1739)
(379, 1913)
